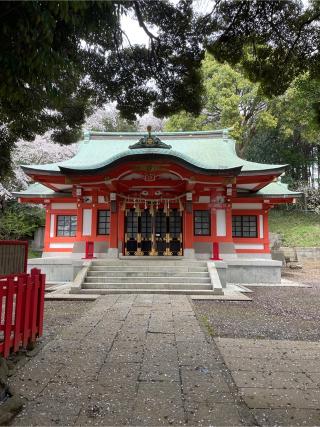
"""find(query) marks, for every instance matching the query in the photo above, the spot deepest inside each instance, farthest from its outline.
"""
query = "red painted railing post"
(89, 250)
(18, 312)
(41, 304)
(215, 252)
(8, 317)
(21, 309)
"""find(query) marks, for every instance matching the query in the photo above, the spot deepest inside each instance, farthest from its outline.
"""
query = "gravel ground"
(59, 314)
(274, 313)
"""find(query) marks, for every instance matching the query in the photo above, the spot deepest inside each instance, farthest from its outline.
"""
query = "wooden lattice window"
(202, 223)
(66, 225)
(244, 226)
(103, 223)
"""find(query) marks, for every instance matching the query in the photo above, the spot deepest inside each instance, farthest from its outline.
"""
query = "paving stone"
(33, 378)
(106, 413)
(218, 414)
(262, 365)
(159, 371)
(114, 373)
(158, 404)
(164, 351)
(110, 370)
(287, 417)
(285, 380)
(153, 339)
(279, 398)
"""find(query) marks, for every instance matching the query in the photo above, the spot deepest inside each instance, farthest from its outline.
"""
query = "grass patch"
(296, 228)
(34, 254)
(207, 325)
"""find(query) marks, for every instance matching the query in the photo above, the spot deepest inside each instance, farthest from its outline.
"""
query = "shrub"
(19, 221)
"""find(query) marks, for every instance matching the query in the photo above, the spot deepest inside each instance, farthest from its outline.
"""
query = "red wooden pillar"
(47, 228)
(188, 229)
(229, 223)
(79, 221)
(121, 226)
(114, 230)
(266, 230)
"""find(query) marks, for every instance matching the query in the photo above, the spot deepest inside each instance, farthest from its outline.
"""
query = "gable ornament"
(149, 141)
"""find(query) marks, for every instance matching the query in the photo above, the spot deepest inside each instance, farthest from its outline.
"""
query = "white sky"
(137, 35)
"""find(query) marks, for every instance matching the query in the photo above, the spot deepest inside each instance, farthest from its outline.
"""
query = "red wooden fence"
(21, 310)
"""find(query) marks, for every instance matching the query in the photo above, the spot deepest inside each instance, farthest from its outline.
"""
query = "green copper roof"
(208, 151)
(277, 189)
(40, 191)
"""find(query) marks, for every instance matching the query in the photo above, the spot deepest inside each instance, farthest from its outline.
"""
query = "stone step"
(147, 279)
(170, 269)
(159, 285)
(144, 291)
(146, 273)
(152, 261)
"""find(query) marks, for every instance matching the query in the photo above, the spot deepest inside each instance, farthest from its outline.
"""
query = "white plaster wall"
(246, 205)
(248, 246)
(63, 206)
(87, 222)
(61, 245)
(51, 225)
(204, 199)
(221, 222)
(261, 226)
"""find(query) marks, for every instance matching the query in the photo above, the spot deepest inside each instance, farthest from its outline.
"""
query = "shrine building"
(171, 194)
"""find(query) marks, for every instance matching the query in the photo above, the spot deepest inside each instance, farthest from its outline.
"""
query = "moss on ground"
(296, 228)
(206, 323)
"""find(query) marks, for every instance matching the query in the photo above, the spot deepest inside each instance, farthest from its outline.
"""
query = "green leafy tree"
(119, 124)
(59, 59)
(20, 221)
(295, 138)
(229, 101)
(275, 41)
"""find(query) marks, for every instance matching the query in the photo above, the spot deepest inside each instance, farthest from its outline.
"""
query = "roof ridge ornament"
(149, 141)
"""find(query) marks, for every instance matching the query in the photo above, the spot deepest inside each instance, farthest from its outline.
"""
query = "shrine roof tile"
(206, 150)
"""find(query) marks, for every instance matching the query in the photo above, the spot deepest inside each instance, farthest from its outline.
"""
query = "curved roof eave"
(233, 171)
(275, 168)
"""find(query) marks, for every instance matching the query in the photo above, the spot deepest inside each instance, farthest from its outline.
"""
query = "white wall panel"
(204, 199)
(248, 246)
(221, 222)
(87, 222)
(261, 226)
(61, 245)
(63, 206)
(246, 205)
(51, 225)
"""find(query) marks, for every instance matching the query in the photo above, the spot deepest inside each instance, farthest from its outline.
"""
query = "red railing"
(21, 310)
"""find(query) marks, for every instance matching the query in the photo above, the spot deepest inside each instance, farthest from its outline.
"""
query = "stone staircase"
(149, 275)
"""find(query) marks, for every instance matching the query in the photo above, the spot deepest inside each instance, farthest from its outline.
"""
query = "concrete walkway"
(132, 359)
(279, 380)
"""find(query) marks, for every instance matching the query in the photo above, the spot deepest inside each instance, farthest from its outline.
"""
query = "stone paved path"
(131, 360)
(279, 380)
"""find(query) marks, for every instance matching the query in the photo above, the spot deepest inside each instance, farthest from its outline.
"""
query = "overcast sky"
(136, 34)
